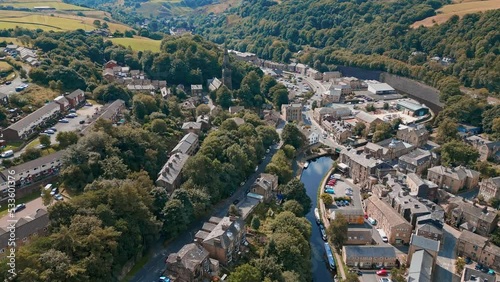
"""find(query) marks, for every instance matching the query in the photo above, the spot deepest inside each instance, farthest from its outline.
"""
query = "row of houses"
(134, 80)
(37, 120)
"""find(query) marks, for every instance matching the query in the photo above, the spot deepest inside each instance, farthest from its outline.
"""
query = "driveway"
(31, 208)
(155, 266)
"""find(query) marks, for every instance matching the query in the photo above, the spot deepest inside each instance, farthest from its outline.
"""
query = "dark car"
(479, 266)
(468, 260)
(8, 82)
(82, 122)
(235, 202)
(357, 271)
(19, 207)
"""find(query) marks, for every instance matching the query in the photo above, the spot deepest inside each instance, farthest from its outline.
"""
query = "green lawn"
(138, 44)
(57, 5)
(23, 200)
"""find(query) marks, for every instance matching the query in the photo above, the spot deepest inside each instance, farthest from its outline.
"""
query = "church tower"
(226, 70)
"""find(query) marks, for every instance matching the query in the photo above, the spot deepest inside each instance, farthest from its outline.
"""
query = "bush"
(327, 199)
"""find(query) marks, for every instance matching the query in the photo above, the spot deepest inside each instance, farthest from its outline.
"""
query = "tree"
(359, 129)
(31, 154)
(293, 136)
(397, 275)
(159, 126)
(489, 116)
(457, 153)
(175, 218)
(97, 23)
(245, 273)
(46, 197)
(447, 131)
(255, 223)
(295, 190)
(279, 96)
(233, 210)
(448, 87)
(351, 277)
(337, 231)
(267, 134)
(294, 207)
(202, 109)
(382, 132)
(327, 199)
(23, 74)
(44, 141)
(314, 104)
(252, 80)
(386, 106)
(224, 97)
(459, 265)
(266, 84)
(66, 138)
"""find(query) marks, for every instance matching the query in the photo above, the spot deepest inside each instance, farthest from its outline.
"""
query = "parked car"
(82, 122)
(58, 197)
(479, 266)
(8, 82)
(54, 191)
(164, 279)
(7, 154)
(19, 207)
(88, 104)
(468, 260)
(49, 131)
(372, 221)
(72, 111)
(41, 147)
(267, 151)
(53, 129)
(63, 120)
(71, 115)
(382, 272)
(235, 202)
(329, 191)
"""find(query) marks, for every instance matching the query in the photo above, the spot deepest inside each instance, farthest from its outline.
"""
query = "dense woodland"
(369, 34)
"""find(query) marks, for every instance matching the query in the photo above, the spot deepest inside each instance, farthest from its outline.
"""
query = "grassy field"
(10, 40)
(138, 43)
(38, 95)
(54, 4)
(5, 67)
(460, 8)
(57, 22)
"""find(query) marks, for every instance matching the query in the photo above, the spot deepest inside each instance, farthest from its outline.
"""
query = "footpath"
(326, 223)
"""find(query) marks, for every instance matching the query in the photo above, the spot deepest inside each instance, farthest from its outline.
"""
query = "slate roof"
(424, 243)
(75, 94)
(34, 116)
(366, 117)
(473, 238)
(420, 267)
(370, 251)
(191, 255)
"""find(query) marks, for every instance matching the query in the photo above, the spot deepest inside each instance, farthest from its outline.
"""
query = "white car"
(256, 168)
(58, 197)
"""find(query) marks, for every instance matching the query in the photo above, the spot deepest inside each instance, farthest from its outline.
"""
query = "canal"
(311, 177)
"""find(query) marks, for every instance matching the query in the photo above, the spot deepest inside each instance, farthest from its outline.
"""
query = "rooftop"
(472, 275)
(34, 117)
(472, 238)
(366, 117)
(49, 159)
(76, 93)
(416, 157)
(191, 255)
(191, 125)
(370, 251)
(112, 109)
(420, 267)
(395, 218)
(424, 243)
(186, 142)
(458, 173)
(172, 168)
(411, 106)
(380, 86)
(224, 232)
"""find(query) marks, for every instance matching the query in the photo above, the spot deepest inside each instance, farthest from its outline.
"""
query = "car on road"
(382, 272)
(19, 207)
(242, 183)
(58, 197)
(235, 202)
(357, 271)
(7, 154)
(63, 120)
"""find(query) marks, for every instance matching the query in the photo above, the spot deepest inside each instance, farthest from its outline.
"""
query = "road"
(31, 208)
(308, 119)
(447, 256)
(156, 263)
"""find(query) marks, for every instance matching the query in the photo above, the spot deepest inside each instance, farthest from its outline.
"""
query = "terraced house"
(32, 123)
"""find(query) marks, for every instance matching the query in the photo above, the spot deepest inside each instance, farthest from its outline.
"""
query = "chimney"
(171, 165)
(417, 206)
(179, 259)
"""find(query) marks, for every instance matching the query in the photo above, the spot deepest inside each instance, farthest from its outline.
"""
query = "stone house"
(453, 179)
(368, 257)
(479, 249)
(467, 216)
(416, 161)
(490, 188)
(291, 112)
(359, 236)
(418, 243)
(266, 185)
(222, 238)
(397, 229)
(190, 264)
(420, 187)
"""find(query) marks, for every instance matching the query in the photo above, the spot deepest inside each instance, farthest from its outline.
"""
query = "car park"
(19, 208)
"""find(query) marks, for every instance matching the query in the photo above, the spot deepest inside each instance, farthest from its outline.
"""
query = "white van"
(383, 235)
(372, 221)
(7, 154)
